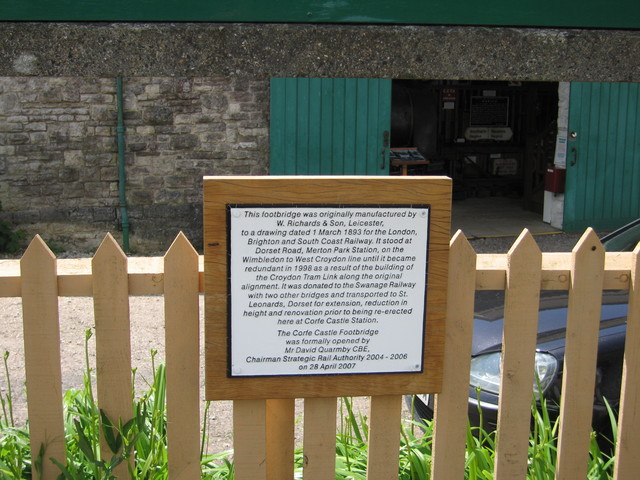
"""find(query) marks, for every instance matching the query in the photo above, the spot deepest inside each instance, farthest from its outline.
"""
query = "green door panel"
(330, 126)
(603, 158)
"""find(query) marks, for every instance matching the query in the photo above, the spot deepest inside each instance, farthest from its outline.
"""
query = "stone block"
(8, 150)
(10, 127)
(132, 115)
(106, 144)
(213, 138)
(17, 138)
(136, 146)
(170, 212)
(54, 214)
(165, 129)
(8, 102)
(68, 174)
(236, 116)
(134, 212)
(23, 216)
(241, 96)
(104, 131)
(171, 197)
(81, 213)
(17, 118)
(49, 191)
(182, 129)
(241, 170)
(253, 131)
(184, 142)
(145, 130)
(215, 102)
(140, 197)
(58, 137)
(152, 89)
(42, 178)
(38, 137)
(109, 174)
(153, 182)
(73, 158)
(104, 214)
(138, 172)
(77, 129)
(99, 159)
(245, 146)
(180, 181)
(73, 190)
(50, 96)
(158, 115)
(97, 98)
(71, 96)
(102, 113)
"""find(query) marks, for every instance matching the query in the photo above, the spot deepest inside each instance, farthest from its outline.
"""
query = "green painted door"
(330, 126)
(603, 156)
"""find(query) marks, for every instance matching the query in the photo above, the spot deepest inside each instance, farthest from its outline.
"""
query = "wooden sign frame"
(221, 192)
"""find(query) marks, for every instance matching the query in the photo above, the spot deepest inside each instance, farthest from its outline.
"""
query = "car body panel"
(552, 322)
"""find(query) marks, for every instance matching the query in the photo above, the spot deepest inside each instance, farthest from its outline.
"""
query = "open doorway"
(493, 138)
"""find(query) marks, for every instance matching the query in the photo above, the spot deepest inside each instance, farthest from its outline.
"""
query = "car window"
(624, 241)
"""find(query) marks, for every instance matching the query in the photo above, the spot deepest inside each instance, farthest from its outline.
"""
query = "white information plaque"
(327, 289)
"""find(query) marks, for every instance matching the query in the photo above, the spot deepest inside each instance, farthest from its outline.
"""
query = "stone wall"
(197, 104)
(59, 164)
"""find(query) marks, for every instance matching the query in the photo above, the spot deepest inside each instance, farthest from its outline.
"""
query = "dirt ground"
(76, 316)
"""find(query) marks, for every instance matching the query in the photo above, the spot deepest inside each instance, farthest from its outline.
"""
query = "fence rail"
(263, 429)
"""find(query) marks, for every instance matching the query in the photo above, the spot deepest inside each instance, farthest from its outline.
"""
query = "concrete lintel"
(318, 50)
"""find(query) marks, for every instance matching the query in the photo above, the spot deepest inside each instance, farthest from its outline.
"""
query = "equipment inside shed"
(494, 138)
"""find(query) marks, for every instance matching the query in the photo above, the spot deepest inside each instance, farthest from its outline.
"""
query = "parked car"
(484, 380)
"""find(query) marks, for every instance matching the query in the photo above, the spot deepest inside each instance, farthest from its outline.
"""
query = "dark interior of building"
(492, 138)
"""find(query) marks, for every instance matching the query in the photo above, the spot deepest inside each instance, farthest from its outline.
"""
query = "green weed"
(15, 451)
(11, 241)
(145, 434)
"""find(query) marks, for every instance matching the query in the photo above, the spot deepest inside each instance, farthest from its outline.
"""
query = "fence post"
(578, 381)
(249, 439)
(113, 336)
(384, 437)
(627, 458)
(42, 356)
(319, 438)
(522, 297)
(182, 341)
(263, 439)
(450, 417)
(280, 438)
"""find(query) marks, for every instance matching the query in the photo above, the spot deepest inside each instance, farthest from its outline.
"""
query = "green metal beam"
(539, 13)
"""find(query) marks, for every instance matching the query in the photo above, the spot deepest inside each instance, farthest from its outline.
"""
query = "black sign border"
(229, 206)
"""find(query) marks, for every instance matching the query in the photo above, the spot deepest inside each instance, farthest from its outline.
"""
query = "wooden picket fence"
(263, 429)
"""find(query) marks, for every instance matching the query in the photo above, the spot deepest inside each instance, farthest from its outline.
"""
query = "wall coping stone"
(260, 51)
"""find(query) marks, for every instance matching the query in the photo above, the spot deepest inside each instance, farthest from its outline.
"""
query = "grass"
(11, 240)
(145, 434)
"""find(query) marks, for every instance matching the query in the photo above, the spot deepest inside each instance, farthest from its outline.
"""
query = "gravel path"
(548, 242)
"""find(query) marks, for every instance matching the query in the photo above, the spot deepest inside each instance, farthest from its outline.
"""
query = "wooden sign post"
(325, 286)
